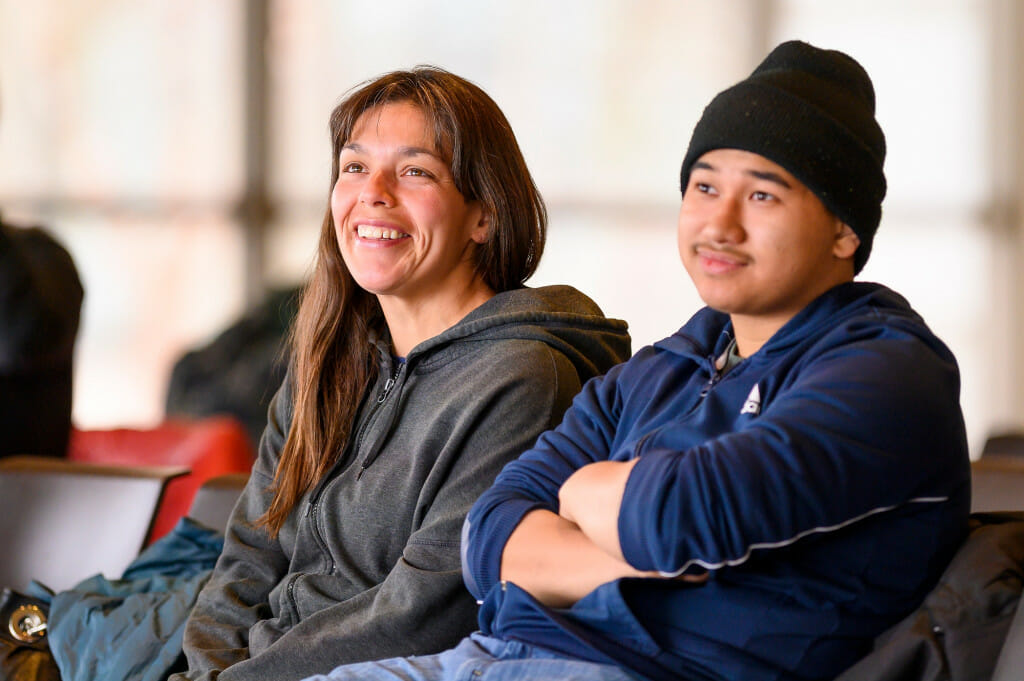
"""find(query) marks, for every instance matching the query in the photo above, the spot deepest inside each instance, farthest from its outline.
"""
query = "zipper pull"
(715, 373)
(710, 384)
(388, 385)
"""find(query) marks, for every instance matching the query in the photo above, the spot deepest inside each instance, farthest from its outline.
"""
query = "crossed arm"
(808, 465)
(559, 558)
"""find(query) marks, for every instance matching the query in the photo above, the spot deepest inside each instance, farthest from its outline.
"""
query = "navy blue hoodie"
(823, 482)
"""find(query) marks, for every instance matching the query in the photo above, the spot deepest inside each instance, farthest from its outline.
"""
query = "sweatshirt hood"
(560, 316)
(709, 332)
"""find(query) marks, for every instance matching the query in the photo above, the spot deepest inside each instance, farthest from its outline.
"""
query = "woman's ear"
(847, 241)
(481, 233)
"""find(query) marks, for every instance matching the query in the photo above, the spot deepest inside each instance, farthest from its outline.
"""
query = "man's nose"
(725, 222)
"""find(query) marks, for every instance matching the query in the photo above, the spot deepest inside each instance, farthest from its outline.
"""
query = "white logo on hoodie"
(753, 403)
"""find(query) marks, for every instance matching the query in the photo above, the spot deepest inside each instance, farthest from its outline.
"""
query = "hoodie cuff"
(483, 542)
(641, 504)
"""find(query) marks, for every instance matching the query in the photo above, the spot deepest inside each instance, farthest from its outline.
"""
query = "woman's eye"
(352, 168)
(417, 172)
(703, 187)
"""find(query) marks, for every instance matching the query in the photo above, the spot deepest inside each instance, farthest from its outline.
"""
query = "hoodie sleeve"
(866, 426)
(585, 435)
(249, 567)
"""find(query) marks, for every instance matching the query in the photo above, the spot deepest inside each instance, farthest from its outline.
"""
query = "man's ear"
(847, 241)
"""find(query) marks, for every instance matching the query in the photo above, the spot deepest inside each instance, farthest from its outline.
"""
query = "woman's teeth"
(368, 232)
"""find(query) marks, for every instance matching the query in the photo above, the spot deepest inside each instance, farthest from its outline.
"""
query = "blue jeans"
(480, 658)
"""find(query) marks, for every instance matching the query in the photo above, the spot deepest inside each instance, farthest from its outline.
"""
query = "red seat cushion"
(209, 447)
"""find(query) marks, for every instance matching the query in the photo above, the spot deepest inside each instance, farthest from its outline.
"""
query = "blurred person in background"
(238, 371)
(40, 306)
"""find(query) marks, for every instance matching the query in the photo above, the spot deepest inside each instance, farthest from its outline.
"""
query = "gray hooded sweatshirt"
(367, 565)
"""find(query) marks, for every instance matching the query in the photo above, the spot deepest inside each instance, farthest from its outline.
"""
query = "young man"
(762, 493)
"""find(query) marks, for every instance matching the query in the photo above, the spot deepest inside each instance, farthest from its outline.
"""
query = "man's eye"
(762, 196)
(703, 187)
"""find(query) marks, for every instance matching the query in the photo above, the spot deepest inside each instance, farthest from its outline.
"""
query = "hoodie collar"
(709, 332)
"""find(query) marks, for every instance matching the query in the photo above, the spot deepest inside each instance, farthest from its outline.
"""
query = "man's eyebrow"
(765, 175)
(769, 176)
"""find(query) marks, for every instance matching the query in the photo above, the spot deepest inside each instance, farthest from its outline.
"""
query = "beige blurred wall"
(123, 128)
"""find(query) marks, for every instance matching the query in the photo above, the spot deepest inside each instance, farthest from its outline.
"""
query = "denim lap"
(479, 658)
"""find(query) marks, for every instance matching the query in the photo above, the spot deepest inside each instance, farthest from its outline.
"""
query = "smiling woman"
(405, 231)
(420, 365)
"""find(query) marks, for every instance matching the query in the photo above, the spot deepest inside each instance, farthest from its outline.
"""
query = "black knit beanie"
(811, 111)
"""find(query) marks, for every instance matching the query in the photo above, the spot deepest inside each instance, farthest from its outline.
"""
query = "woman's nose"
(377, 190)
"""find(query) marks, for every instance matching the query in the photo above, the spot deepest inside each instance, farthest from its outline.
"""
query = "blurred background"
(179, 150)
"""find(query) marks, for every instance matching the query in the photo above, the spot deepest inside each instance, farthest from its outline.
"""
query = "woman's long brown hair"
(332, 361)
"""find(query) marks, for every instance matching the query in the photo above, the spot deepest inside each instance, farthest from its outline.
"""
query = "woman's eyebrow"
(417, 151)
(402, 151)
